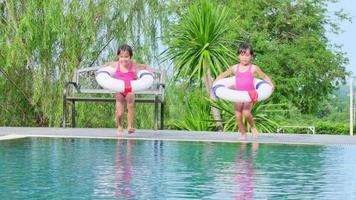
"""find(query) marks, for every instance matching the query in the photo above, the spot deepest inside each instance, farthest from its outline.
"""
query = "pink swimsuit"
(244, 82)
(126, 77)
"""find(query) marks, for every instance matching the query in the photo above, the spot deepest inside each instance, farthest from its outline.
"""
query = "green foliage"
(197, 43)
(95, 115)
(42, 42)
(290, 45)
(333, 118)
(103, 115)
(323, 127)
(186, 110)
(47, 40)
(289, 38)
(333, 128)
(197, 46)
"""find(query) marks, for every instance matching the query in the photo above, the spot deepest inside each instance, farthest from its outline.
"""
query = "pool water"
(45, 168)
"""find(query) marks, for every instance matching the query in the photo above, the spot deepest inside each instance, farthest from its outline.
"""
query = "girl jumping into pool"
(126, 70)
(244, 75)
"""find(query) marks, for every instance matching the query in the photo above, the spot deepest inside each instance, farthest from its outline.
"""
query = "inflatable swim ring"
(105, 78)
(222, 89)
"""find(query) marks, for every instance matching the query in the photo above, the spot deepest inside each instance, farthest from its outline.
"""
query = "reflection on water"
(245, 171)
(123, 173)
(39, 168)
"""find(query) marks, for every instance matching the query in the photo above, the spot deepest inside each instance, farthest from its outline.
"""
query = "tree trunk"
(216, 112)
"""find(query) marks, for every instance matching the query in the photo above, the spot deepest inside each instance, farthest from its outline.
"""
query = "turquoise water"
(40, 168)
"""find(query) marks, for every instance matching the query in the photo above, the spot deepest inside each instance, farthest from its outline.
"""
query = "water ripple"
(109, 169)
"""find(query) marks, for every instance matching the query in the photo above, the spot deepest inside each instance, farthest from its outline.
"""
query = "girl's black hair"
(125, 47)
(243, 48)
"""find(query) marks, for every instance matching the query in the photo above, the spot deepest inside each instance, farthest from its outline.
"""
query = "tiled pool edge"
(172, 135)
(12, 137)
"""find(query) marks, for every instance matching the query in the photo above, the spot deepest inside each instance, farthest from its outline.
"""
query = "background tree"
(42, 42)
(291, 46)
(289, 39)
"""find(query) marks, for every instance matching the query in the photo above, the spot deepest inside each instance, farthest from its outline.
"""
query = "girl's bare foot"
(254, 132)
(130, 130)
(120, 131)
(242, 136)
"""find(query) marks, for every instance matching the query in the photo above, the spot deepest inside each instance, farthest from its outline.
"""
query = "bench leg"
(73, 114)
(155, 120)
(312, 129)
(64, 112)
(162, 116)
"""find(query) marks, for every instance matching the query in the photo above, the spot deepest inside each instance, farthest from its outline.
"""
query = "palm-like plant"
(198, 46)
(196, 116)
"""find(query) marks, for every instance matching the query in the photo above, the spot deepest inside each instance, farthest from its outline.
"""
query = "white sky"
(347, 39)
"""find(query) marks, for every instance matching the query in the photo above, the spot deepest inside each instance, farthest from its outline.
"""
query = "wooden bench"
(84, 88)
(309, 128)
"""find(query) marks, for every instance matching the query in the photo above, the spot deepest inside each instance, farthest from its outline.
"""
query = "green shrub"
(333, 128)
(321, 127)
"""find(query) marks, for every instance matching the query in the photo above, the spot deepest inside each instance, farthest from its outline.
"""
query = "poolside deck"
(110, 133)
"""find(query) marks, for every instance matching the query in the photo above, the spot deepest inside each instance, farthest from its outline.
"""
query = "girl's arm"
(112, 63)
(144, 67)
(263, 76)
(225, 73)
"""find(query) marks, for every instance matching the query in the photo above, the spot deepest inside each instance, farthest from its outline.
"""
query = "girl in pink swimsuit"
(244, 75)
(127, 77)
(126, 71)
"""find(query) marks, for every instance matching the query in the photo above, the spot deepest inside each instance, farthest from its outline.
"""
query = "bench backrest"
(87, 84)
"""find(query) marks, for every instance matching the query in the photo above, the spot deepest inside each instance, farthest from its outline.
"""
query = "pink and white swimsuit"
(244, 82)
(127, 77)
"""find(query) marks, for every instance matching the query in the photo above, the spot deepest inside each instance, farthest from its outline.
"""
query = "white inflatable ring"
(105, 78)
(222, 90)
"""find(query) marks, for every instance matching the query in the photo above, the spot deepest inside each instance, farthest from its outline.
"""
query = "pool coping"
(7, 133)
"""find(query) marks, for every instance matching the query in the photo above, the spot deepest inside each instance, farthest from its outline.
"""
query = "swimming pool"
(48, 168)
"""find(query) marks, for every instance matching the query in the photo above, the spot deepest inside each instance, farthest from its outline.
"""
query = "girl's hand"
(108, 64)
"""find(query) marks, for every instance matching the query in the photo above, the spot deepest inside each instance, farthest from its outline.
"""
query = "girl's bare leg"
(238, 115)
(130, 100)
(247, 113)
(120, 108)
